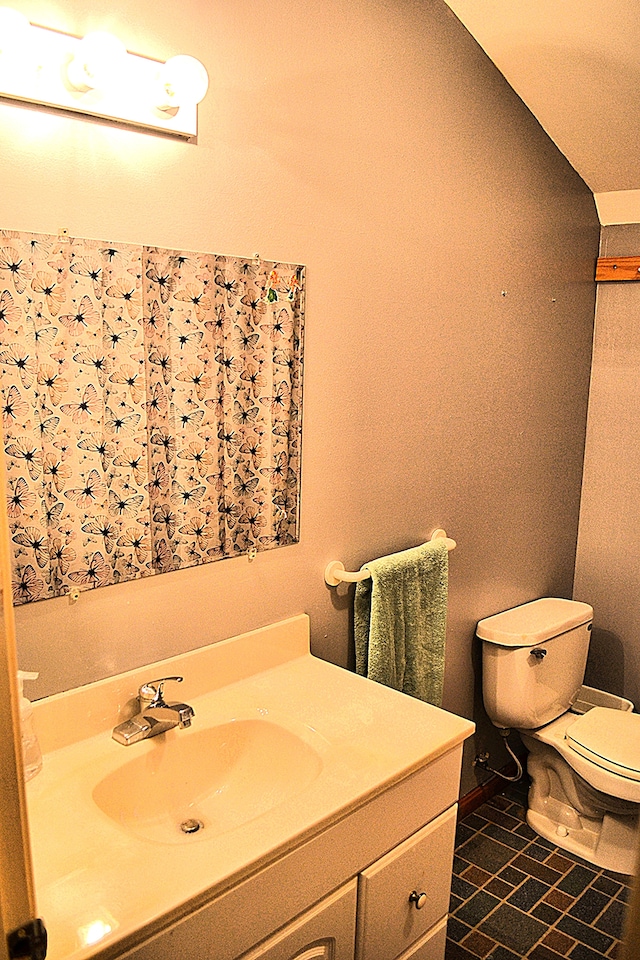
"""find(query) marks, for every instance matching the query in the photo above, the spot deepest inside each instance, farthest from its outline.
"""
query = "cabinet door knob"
(418, 898)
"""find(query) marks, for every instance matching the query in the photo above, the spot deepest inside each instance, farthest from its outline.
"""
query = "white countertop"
(93, 874)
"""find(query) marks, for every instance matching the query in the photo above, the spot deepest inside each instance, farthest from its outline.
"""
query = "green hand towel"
(400, 620)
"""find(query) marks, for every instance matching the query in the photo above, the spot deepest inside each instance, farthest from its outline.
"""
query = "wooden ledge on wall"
(617, 268)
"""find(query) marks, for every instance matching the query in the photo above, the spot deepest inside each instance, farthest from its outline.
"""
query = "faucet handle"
(151, 692)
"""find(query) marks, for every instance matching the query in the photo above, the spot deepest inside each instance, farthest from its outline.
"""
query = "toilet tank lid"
(533, 622)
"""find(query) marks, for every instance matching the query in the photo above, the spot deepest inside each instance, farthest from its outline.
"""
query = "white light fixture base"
(128, 98)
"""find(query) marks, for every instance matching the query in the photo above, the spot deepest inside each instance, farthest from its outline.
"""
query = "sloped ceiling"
(576, 64)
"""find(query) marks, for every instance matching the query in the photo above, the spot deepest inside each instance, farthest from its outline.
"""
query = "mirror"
(151, 404)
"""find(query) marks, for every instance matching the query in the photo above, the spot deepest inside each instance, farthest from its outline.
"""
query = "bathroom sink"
(284, 756)
(187, 786)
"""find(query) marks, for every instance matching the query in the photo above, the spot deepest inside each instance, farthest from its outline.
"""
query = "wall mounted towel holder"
(335, 573)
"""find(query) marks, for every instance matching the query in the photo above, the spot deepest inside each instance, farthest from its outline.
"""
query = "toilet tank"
(533, 661)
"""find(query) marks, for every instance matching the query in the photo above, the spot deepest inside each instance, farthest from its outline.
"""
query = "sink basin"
(206, 781)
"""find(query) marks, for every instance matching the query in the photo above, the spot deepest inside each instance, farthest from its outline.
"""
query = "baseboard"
(484, 791)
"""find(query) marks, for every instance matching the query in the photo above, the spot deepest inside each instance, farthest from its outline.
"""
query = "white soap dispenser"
(31, 753)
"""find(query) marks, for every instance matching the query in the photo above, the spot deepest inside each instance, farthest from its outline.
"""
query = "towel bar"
(335, 573)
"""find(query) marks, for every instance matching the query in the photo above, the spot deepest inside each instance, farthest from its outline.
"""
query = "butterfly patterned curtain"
(151, 406)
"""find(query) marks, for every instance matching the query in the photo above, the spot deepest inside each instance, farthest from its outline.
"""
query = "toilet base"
(587, 843)
(565, 809)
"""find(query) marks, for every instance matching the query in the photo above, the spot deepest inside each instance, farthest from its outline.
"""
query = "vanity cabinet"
(345, 893)
(311, 854)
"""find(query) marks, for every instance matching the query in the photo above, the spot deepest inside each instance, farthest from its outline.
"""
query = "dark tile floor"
(517, 895)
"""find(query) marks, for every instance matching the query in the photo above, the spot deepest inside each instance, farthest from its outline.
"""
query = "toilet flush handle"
(539, 653)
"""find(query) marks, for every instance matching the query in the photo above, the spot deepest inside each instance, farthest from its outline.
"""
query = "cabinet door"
(388, 921)
(326, 932)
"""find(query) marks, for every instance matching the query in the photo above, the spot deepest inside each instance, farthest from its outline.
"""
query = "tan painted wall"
(374, 142)
(607, 569)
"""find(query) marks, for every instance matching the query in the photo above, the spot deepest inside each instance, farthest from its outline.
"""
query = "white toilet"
(584, 744)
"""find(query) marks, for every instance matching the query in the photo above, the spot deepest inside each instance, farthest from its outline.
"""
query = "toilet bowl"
(577, 802)
(584, 766)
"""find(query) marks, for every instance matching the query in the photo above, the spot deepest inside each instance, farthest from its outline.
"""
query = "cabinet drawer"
(326, 932)
(388, 922)
(430, 947)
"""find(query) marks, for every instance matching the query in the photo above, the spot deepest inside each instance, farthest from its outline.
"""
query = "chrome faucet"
(155, 715)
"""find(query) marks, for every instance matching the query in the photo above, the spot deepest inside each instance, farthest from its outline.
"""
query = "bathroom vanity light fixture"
(96, 77)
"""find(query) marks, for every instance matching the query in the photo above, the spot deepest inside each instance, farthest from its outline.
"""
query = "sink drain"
(191, 826)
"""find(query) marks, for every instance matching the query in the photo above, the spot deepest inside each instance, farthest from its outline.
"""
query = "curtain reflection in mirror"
(151, 408)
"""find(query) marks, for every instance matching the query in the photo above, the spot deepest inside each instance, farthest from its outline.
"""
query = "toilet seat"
(608, 738)
(591, 768)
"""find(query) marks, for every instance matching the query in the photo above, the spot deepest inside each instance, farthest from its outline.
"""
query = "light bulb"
(183, 80)
(99, 57)
(14, 32)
